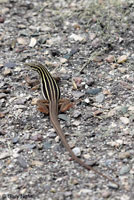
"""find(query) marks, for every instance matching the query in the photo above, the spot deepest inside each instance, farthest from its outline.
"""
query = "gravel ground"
(89, 45)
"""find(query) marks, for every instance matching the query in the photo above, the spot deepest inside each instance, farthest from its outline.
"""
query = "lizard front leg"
(64, 105)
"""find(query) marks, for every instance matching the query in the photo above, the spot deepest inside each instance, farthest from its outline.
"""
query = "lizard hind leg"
(65, 104)
(43, 106)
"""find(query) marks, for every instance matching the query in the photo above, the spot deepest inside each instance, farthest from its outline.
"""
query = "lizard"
(51, 92)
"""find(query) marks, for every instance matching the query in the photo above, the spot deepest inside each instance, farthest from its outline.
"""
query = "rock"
(114, 65)
(20, 101)
(15, 140)
(2, 19)
(34, 101)
(10, 65)
(85, 191)
(22, 41)
(122, 59)
(7, 72)
(63, 117)
(47, 145)
(106, 193)
(54, 40)
(79, 38)
(37, 163)
(87, 101)
(124, 120)
(22, 162)
(19, 107)
(96, 42)
(37, 137)
(72, 144)
(113, 185)
(78, 94)
(63, 60)
(110, 58)
(124, 109)
(124, 155)
(100, 98)
(122, 69)
(76, 123)
(33, 42)
(126, 197)
(67, 194)
(30, 146)
(4, 155)
(92, 36)
(124, 170)
(4, 1)
(76, 114)
(55, 52)
(3, 95)
(94, 91)
(116, 143)
(77, 151)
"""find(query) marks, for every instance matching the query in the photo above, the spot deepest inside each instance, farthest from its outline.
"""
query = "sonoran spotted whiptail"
(51, 92)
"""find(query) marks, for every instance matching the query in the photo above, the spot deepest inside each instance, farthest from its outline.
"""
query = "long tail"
(56, 125)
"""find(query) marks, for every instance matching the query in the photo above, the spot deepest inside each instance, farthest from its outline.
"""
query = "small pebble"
(94, 91)
(9, 65)
(76, 114)
(15, 140)
(122, 59)
(33, 42)
(47, 145)
(4, 155)
(63, 117)
(2, 19)
(22, 162)
(77, 151)
(34, 101)
(106, 193)
(124, 170)
(124, 155)
(113, 185)
(124, 120)
(110, 58)
(30, 146)
(100, 98)
(78, 94)
(3, 95)
(87, 100)
(37, 137)
(7, 72)
(68, 194)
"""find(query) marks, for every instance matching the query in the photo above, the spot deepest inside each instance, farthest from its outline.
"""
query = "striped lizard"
(51, 92)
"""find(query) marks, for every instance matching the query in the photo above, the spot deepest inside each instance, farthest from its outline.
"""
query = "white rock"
(33, 42)
(77, 37)
(76, 151)
(124, 120)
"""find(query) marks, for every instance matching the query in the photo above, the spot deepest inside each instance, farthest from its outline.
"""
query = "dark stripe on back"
(48, 84)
